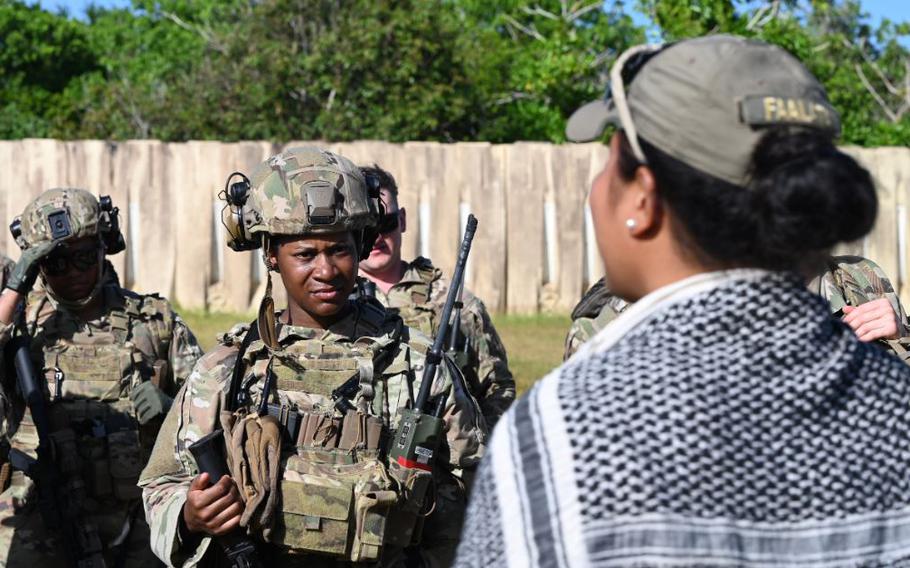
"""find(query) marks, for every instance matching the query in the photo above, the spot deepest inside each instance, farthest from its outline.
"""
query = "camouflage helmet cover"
(77, 207)
(309, 190)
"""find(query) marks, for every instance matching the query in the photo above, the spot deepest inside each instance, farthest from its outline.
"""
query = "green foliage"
(498, 70)
(40, 55)
(538, 60)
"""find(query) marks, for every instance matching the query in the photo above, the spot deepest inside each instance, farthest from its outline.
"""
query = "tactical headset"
(61, 227)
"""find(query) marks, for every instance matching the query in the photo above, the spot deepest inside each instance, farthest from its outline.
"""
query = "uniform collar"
(357, 323)
(416, 271)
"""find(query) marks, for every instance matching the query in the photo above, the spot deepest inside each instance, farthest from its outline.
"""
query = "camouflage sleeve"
(578, 334)
(852, 280)
(465, 427)
(167, 476)
(6, 333)
(466, 435)
(497, 386)
(184, 352)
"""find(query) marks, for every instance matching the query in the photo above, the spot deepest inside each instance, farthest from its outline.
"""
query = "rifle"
(420, 430)
(458, 356)
(79, 541)
(209, 454)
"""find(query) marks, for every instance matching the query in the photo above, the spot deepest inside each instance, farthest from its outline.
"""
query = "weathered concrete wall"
(533, 249)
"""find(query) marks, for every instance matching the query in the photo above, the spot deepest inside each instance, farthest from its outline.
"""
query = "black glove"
(22, 277)
(150, 402)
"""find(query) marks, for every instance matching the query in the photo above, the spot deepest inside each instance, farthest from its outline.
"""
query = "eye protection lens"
(60, 263)
(388, 223)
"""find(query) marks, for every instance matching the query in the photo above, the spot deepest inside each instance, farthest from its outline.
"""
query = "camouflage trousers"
(25, 542)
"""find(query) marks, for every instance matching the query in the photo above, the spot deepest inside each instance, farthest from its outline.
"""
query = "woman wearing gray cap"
(725, 419)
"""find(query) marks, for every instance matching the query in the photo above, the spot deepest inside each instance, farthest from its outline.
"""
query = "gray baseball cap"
(704, 101)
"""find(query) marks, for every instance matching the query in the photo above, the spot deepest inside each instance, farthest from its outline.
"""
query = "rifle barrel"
(435, 354)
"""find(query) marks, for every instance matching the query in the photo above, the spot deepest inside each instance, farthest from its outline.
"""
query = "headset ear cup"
(15, 229)
(113, 238)
(114, 243)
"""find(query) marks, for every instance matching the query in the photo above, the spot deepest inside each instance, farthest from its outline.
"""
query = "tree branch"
(205, 34)
(578, 13)
(764, 15)
(538, 11)
(872, 91)
(531, 31)
(512, 97)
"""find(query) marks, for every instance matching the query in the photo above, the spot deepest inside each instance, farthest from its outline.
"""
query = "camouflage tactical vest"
(89, 377)
(339, 495)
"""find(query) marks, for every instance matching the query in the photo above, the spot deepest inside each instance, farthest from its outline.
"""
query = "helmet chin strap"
(75, 305)
(265, 320)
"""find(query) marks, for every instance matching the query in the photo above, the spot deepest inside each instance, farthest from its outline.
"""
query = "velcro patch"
(769, 110)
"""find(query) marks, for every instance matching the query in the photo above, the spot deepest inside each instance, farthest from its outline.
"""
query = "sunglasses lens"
(80, 260)
(84, 260)
(388, 222)
(54, 266)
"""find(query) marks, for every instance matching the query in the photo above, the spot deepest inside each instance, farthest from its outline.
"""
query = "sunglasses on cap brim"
(588, 122)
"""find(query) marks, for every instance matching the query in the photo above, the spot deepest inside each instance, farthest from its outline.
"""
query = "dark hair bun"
(809, 195)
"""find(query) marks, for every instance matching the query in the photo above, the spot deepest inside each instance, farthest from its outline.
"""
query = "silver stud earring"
(631, 224)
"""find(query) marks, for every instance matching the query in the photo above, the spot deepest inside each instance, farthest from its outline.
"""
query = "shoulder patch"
(422, 262)
(425, 269)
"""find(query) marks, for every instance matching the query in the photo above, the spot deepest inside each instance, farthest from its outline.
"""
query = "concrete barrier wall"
(533, 252)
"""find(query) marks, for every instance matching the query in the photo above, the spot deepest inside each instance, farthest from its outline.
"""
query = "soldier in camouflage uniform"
(112, 358)
(594, 311)
(417, 291)
(330, 495)
(862, 295)
(858, 290)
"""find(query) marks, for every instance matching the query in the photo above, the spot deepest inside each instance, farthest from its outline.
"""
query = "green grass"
(534, 344)
(207, 325)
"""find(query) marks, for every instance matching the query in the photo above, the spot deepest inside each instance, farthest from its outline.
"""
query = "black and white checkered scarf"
(727, 420)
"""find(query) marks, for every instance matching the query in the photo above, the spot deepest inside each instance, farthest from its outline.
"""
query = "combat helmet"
(66, 214)
(61, 215)
(300, 191)
(305, 190)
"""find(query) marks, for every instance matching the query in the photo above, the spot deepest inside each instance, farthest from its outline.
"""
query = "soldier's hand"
(212, 509)
(23, 275)
(873, 320)
(149, 401)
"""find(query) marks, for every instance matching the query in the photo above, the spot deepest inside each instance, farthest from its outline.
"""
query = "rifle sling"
(237, 376)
